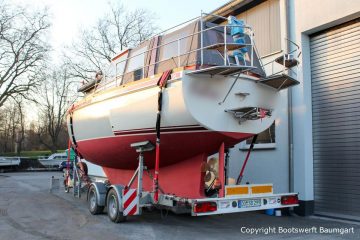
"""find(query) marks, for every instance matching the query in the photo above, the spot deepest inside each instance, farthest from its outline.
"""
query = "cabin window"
(138, 74)
(265, 140)
(170, 48)
(108, 80)
(136, 62)
(110, 76)
(120, 68)
(173, 49)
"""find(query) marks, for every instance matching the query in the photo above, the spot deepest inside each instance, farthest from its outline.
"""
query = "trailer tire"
(113, 203)
(93, 202)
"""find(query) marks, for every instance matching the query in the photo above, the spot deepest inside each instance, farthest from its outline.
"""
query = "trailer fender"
(119, 190)
(101, 191)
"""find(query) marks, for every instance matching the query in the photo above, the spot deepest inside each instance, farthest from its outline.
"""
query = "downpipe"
(290, 30)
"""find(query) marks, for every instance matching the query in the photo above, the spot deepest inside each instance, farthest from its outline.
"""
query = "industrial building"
(313, 146)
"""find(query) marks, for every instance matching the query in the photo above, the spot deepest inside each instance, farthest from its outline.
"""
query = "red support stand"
(222, 169)
(66, 181)
(68, 156)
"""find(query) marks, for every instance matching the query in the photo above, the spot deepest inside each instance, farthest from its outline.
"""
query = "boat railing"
(288, 60)
(223, 48)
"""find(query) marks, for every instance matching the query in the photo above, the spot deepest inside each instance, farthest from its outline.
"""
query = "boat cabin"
(200, 46)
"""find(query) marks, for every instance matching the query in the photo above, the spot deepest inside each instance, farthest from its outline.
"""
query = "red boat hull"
(181, 156)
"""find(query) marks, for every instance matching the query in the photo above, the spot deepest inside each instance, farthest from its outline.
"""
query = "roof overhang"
(233, 8)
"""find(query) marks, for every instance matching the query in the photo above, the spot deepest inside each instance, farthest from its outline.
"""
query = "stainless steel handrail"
(295, 53)
(104, 84)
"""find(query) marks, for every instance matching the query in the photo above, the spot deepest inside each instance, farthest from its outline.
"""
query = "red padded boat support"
(222, 169)
(68, 164)
(68, 156)
(162, 84)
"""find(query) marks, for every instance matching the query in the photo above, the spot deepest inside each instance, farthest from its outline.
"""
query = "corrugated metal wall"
(335, 71)
(265, 20)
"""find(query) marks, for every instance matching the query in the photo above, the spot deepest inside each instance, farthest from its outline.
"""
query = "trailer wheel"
(113, 204)
(93, 204)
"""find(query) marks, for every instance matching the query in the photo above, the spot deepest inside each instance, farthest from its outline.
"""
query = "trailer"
(123, 201)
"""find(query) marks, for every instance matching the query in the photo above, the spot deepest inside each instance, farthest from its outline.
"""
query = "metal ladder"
(79, 184)
(76, 180)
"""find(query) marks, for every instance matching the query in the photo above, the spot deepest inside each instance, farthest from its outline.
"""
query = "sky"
(70, 16)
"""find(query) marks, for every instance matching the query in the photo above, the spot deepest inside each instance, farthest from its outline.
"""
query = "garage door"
(335, 71)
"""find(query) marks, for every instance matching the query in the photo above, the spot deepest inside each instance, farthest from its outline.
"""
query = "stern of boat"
(230, 104)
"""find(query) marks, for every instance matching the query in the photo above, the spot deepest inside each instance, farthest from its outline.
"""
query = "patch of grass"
(30, 153)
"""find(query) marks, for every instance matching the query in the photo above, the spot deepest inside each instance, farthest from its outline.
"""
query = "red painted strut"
(238, 181)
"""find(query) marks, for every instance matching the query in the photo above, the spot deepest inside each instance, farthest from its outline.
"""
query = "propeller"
(210, 168)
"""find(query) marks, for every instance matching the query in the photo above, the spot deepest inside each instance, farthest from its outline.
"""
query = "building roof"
(233, 7)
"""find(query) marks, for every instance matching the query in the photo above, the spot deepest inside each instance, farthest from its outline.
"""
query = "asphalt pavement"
(29, 211)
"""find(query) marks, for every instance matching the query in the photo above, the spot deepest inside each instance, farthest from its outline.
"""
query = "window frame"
(244, 146)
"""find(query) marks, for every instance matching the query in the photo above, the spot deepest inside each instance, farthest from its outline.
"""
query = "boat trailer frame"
(231, 199)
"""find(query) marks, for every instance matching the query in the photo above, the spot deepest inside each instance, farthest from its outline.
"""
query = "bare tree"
(56, 97)
(32, 141)
(118, 30)
(5, 129)
(12, 126)
(22, 50)
(20, 130)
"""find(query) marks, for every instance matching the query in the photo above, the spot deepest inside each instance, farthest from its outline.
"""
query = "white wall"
(309, 17)
(314, 15)
(266, 165)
